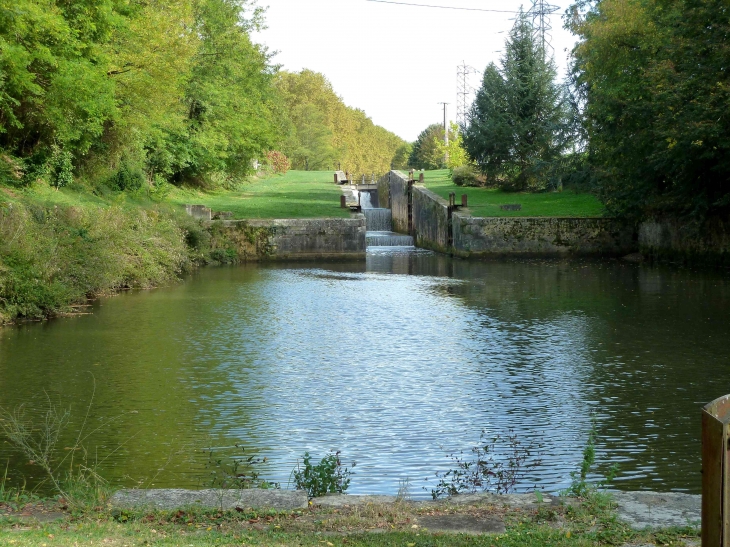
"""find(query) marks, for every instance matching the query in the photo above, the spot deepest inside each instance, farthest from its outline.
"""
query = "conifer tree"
(517, 127)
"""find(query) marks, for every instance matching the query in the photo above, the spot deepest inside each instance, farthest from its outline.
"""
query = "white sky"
(396, 62)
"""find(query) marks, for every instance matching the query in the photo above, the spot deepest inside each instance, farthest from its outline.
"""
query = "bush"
(499, 463)
(329, 476)
(466, 175)
(12, 171)
(126, 178)
(277, 162)
(61, 168)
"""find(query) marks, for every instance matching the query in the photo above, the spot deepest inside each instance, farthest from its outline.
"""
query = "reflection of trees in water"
(647, 345)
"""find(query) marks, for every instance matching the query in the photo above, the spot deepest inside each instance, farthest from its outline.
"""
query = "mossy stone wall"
(294, 239)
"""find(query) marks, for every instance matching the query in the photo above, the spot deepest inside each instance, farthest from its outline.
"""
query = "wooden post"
(463, 200)
(420, 178)
(337, 179)
(716, 473)
(343, 202)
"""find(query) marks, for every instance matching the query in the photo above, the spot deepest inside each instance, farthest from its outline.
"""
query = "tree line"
(162, 91)
(642, 119)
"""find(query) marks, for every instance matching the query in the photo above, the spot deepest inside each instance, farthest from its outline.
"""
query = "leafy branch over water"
(498, 464)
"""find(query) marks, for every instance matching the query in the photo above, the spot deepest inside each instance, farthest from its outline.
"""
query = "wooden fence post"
(716, 473)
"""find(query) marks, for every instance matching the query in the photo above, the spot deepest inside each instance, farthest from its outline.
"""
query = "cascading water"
(379, 224)
(378, 220)
(387, 239)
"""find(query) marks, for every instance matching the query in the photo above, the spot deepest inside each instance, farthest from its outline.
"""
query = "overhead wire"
(443, 7)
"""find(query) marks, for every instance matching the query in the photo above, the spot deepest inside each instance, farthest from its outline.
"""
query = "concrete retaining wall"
(490, 236)
(430, 220)
(292, 239)
(393, 195)
(475, 236)
(708, 242)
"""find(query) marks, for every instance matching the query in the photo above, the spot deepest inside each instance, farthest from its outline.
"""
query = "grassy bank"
(55, 257)
(297, 194)
(588, 522)
(59, 248)
(485, 202)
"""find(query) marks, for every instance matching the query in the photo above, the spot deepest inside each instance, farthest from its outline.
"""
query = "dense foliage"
(518, 127)
(116, 92)
(325, 133)
(427, 152)
(654, 79)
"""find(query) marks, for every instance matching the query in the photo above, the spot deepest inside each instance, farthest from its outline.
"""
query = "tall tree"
(358, 144)
(427, 152)
(517, 127)
(655, 83)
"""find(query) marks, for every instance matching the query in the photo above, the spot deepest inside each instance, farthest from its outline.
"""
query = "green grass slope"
(297, 194)
(485, 202)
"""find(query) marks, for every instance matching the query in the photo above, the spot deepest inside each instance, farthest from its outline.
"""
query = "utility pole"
(446, 127)
(446, 136)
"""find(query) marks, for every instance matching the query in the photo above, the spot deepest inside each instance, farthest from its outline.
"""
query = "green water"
(395, 361)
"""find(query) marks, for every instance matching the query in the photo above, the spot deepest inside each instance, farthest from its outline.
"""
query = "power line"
(442, 7)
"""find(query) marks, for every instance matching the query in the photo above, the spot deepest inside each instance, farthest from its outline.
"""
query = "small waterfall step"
(378, 220)
(387, 239)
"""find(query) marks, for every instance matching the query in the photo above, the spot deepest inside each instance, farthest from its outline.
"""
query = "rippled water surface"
(396, 362)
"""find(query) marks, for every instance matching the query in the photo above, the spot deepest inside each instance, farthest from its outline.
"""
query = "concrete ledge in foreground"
(169, 499)
(642, 510)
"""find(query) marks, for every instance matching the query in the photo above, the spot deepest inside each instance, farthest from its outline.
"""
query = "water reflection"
(395, 362)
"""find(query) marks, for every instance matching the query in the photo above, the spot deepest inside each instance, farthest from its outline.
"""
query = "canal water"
(396, 361)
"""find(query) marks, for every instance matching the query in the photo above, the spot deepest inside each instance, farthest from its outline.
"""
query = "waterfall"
(388, 239)
(379, 224)
(366, 200)
(378, 220)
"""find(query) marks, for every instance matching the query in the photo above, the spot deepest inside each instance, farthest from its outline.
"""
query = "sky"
(397, 62)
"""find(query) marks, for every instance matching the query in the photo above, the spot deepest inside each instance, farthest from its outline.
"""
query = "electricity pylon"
(540, 12)
(464, 92)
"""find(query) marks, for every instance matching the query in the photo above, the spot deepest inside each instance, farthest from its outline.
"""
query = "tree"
(517, 129)
(354, 140)
(653, 77)
(426, 153)
(454, 152)
(313, 149)
(229, 97)
(402, 154)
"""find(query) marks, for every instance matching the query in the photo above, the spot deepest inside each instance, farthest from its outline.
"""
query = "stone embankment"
(290, 239)
(640, 510)
(437, 226)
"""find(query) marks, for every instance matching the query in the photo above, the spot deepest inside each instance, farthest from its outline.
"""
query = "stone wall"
(430, 220)
(479, 236)
(707, 242)
(490, 236)
(292, 239)
(392, 195)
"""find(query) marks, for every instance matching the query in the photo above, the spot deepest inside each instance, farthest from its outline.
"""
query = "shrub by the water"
(328, 476)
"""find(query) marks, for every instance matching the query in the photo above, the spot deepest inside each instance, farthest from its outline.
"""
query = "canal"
(395, 361)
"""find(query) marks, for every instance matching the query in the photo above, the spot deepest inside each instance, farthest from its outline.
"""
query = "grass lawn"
(485, 202)
(298, 194)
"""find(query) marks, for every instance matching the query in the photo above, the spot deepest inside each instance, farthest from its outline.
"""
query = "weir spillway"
(379, 224)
